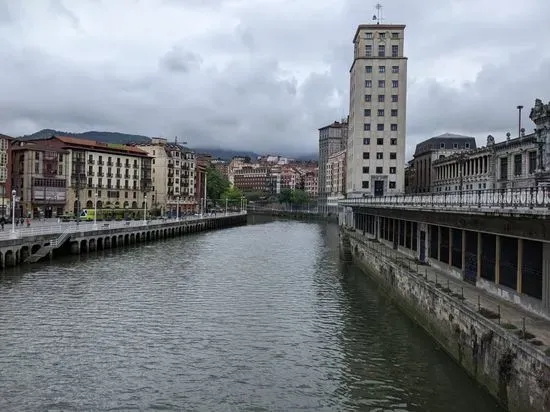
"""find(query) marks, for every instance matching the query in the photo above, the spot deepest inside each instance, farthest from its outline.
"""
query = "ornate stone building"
(518, 162)
(420, 174)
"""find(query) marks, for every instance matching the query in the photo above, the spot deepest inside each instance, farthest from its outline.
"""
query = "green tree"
(233, 196)
(216, 184)
(285, 196)
(299, 197)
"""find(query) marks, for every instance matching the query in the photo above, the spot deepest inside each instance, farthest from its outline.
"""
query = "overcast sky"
(262, 75)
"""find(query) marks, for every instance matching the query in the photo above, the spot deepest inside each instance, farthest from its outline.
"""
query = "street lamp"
(145, 209)
(226, 199)
(13, 193)
(177, 208)
(519, 119)
(95, 209)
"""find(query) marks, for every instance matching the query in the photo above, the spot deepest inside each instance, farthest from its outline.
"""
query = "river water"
(262, 317)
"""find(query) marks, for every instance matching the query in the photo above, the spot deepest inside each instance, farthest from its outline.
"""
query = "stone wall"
(517, 375)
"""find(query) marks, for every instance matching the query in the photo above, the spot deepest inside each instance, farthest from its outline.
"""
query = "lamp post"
(145, 210)
(226, 199)
(519, 119)
(13, 193)
(177, 208)
(95, 209)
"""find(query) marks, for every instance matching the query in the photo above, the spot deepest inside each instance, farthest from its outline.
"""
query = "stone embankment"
(513, 370)
(31, 245)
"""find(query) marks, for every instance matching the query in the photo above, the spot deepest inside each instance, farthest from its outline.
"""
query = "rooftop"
(448, 140)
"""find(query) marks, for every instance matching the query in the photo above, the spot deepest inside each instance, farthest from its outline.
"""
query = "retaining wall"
(515, 373)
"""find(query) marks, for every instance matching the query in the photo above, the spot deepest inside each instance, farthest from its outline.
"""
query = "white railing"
(60, 229)
(530, 198)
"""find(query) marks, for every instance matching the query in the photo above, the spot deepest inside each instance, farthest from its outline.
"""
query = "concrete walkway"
(55, 227)
(512, 317)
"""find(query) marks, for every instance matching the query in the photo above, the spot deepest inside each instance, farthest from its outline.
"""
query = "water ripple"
(257, 318)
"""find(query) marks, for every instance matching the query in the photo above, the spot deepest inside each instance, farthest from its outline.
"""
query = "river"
(254, 318)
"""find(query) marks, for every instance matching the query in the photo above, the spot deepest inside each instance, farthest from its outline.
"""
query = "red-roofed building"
(120, 175)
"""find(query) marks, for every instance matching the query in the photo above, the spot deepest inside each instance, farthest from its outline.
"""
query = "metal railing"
(529, 198)
(69, 228)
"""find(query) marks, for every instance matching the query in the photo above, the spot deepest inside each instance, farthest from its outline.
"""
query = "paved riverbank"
(35, 243)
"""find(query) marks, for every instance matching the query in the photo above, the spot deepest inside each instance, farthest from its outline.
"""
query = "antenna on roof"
(176, 140)
(378, 16)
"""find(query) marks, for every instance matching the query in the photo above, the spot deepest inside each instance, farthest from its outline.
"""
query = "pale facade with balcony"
(335, 187)
(173, 176)
(117, 176)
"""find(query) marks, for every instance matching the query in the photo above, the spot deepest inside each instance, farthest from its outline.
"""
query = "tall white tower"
(377, 111)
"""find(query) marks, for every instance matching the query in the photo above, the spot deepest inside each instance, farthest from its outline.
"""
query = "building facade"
(5, 174)
(377, 120)
(110, 177)
(332, 139)
(173, 176)
(40, 178)
(420, 172)
(335, 180)
(311, 183)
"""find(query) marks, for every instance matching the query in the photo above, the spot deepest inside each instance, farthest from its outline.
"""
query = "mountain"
(106, 137)
(124, 138)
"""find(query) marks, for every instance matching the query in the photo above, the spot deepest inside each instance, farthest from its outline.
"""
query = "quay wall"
(296, 215)
(16, 251)
(515, 373)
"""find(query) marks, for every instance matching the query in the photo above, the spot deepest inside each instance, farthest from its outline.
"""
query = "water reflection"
(263, 317)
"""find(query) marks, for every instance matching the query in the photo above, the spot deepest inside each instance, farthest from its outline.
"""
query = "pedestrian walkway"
(55, 227)
(507, 314)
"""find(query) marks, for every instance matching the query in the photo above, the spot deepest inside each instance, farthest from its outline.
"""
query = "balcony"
(109, 186)
(100, 174)
(118, 164)
(100, 162)
(90, 173)
(110, 163)
(135, 176)
(109, 175)
(127, 176)
(118, 175)
(170, 173)
(91, 161)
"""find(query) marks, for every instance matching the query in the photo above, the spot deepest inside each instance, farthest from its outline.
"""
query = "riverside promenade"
(43, 239)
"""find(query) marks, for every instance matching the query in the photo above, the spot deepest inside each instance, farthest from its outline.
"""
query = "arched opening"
(83, 246)
(134, 205)
(35, 248)
(89, 204)
(100, 243)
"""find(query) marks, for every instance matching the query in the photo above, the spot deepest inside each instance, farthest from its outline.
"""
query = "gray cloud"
(233, 74)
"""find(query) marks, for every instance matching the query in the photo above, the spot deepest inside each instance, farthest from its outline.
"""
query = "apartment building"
(335, 180)
(117, 176)
(311, 183)
(5, 174)
(40, 178)
(378, 93)
(256, 179)
(332, 139)
(173, 176)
